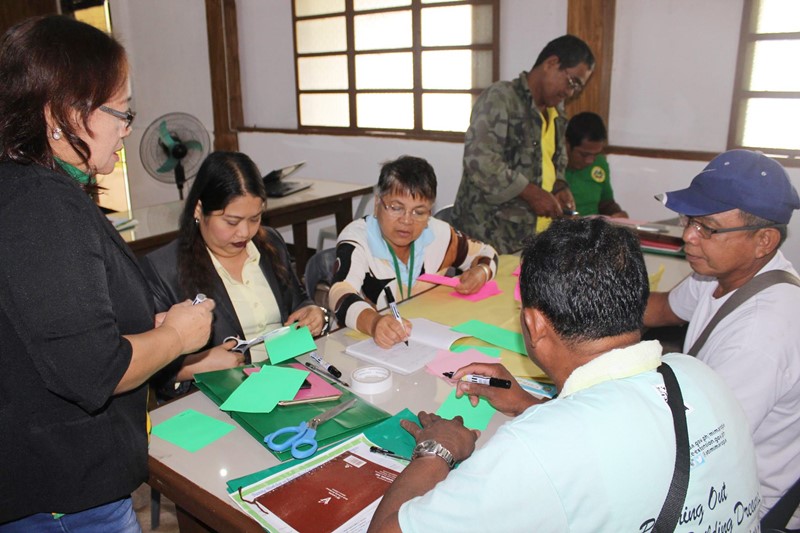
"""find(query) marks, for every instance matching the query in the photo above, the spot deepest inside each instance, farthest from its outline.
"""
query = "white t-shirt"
(756, 350)
(601, 456)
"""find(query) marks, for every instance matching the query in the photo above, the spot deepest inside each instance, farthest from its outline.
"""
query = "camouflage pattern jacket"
(502, 155)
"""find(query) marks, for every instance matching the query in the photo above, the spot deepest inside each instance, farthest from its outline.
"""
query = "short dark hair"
(569, 50)
(586, 126)
(587, 277)
(59, 63)
(222, 177)
(749, 219)
(408, 175)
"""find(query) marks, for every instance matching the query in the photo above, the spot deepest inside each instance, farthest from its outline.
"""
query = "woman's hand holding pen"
(511, 402)
(311, 316)
(388, 331)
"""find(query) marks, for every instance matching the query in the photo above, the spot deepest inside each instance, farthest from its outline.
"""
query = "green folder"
(219, 384)
(387, 434)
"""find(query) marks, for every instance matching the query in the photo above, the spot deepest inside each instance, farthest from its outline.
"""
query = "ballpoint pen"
(483, 380)
(322, 372)
(199, 298)
(332, 370)
(395, 312)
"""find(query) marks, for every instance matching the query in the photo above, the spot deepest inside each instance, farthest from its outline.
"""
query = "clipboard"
(220, 384)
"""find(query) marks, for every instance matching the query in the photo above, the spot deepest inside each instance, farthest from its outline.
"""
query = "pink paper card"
(517, 295)
(490, 289)
(447, 361)
(516, 270)
(439, 280)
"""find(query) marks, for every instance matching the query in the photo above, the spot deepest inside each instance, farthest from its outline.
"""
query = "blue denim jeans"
(116, 517)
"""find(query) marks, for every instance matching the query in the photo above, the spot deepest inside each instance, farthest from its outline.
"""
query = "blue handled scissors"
(301, 438)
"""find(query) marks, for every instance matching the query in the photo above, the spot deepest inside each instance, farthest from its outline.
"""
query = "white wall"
(671, 88)
(167, 47)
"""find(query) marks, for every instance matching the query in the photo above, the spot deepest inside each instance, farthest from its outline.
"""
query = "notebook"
(276, 183)
(427, 338)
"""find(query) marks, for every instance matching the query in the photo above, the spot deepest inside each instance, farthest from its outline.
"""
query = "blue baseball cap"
(738, 179)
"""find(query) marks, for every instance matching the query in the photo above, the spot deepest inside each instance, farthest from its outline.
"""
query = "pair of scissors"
(243, 345)
(301, 438)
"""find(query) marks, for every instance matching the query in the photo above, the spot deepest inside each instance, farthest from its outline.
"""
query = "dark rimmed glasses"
(707, 232)
(126, 116)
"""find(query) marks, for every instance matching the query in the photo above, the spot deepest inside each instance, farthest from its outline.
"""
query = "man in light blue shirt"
(600, 457)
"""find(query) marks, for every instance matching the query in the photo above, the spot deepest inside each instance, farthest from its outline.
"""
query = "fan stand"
(180, 179)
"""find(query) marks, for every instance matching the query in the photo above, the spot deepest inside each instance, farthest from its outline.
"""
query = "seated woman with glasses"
(224, 252)
(387, 252)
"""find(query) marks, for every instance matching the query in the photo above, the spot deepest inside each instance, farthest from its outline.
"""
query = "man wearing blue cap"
(735, 214)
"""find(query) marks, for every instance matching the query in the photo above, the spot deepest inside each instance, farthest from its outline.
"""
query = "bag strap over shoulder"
(671, 511)
(742, 294)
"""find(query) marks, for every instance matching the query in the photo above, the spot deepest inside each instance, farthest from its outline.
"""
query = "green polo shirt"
(590, 186)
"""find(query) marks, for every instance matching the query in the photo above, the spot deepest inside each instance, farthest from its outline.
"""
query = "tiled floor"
(141, 504)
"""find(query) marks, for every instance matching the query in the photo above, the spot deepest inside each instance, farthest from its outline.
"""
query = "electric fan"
(173, 147)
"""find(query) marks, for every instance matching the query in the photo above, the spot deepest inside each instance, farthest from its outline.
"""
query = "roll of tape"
(371, 380)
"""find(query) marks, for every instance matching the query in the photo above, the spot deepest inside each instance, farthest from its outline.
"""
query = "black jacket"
(69, 289)
(161, 270)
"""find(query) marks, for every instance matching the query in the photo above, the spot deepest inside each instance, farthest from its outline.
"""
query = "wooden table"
(158, 224)
(195, 482)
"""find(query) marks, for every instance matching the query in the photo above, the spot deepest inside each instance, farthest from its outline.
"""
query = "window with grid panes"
(409, 67)
(767, 100)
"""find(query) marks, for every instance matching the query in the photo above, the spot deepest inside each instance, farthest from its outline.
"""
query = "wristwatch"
(431, 447)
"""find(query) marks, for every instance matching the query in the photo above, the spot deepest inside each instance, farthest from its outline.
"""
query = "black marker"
(323, 373)
(482, 380)
(332, 370)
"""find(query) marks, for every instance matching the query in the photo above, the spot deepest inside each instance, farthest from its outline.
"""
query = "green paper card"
(295, 341)
(192, 430)
(503, 338)
(491, 351)
(262, 391)
(474, 417)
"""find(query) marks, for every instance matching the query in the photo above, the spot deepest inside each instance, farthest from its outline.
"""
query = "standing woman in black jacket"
(222, 250)
(77, 336)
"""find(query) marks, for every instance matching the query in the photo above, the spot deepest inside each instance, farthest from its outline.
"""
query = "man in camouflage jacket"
(500, 194)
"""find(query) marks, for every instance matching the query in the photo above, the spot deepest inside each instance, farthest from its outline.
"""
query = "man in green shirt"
(587, 169)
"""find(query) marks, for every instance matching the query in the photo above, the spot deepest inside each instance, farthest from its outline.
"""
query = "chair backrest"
(445, 213)
(319, 269)
(363, 205)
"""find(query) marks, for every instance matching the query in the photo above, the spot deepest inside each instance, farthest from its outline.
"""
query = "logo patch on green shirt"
(598, 174)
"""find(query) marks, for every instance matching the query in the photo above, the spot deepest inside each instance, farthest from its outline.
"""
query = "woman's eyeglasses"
(126, 116)
(417, 214)
(706, 232)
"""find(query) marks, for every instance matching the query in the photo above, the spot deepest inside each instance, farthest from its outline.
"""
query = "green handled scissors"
(302, 438)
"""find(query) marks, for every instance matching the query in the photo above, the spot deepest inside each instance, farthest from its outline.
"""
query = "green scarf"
(75, 173)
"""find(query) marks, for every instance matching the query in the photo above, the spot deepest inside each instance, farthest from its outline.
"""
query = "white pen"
(395, 312)
(199, 298)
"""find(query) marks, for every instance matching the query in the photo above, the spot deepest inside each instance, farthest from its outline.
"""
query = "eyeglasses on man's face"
(397, 211)
(573, 81)
(126, 116)
(707, 232)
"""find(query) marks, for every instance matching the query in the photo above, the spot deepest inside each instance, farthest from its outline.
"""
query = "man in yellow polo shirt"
(514, 149)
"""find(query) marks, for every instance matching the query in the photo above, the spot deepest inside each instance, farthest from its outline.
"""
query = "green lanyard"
(397, 269)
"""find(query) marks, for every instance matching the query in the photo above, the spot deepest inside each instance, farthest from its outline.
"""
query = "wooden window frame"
(417, 132)
(747, 38)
